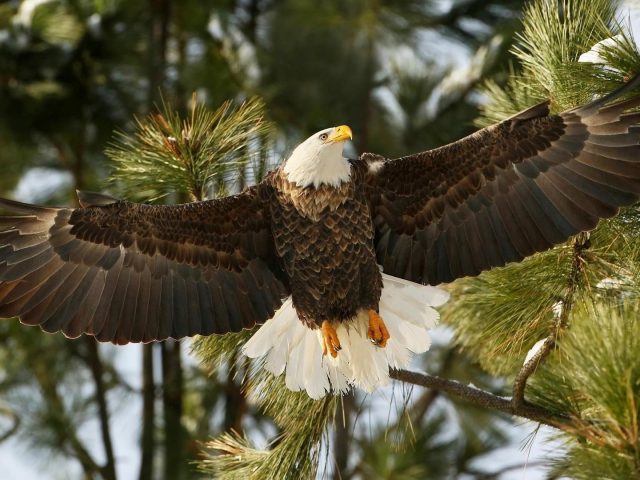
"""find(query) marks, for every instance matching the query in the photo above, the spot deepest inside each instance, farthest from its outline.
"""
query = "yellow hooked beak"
(339, 134)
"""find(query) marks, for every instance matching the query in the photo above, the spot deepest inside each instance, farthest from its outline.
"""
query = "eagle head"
(318, 160)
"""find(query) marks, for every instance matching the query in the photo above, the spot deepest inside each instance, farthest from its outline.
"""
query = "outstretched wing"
(126, 272)
(505, 192)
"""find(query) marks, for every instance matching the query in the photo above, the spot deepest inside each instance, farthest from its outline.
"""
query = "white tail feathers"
(287, 344)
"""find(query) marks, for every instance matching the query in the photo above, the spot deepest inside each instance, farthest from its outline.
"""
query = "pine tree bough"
(581, 243)
(486, 399)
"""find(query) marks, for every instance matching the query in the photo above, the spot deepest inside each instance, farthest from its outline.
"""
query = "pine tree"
(577, 303)
(579, 298)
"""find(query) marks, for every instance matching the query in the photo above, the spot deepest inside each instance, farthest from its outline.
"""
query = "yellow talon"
(377, 333)
(330, 341)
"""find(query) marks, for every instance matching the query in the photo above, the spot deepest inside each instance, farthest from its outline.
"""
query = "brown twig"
(580, 244)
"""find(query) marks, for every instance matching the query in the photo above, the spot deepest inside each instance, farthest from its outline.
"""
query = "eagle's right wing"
(126, 272)
(505, 192)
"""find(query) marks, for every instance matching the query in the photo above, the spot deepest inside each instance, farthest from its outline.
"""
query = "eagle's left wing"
(506, 191)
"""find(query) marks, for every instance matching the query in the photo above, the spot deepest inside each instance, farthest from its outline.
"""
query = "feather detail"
(287, 345)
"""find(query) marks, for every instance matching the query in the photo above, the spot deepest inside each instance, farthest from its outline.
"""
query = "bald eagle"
(336, 258)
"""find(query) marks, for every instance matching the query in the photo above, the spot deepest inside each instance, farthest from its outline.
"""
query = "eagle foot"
(377, 333)
(330, 341)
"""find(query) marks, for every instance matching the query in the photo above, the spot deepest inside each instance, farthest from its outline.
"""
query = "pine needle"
(594, 374)
(200, 154)
(547, 51)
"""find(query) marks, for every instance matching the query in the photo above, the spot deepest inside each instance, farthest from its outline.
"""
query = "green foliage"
(198, 155)
(586, 462)
(593, 376)
(554, 36)
(215, 351)
(294, 454)
(501, 314)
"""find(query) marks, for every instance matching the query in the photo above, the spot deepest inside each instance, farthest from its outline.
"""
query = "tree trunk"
(108, 471)
(97, 371)
(159, 35)
(147, 443)
(174, 438)
(172, 388)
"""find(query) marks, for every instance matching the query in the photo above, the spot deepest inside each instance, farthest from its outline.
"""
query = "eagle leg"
(377, 333)
(330, 341)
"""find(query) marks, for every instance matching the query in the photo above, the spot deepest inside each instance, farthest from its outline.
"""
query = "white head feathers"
(318, 160)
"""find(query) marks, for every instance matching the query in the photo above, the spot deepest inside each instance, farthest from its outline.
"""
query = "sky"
(18, 462)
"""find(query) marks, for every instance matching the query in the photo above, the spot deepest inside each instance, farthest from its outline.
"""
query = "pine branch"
(581, 243)
(529, 367)
(198, 154)
(302, 421)
(485, 399)
(586, 429)
(555, 34)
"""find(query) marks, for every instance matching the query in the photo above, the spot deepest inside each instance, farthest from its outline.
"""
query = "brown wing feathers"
(128, 273)
(506, 191)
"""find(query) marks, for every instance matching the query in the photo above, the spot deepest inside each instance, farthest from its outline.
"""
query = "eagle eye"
(324, 136)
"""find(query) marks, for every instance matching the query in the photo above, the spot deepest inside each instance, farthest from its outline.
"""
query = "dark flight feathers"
(126, 272)
(506, 191)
